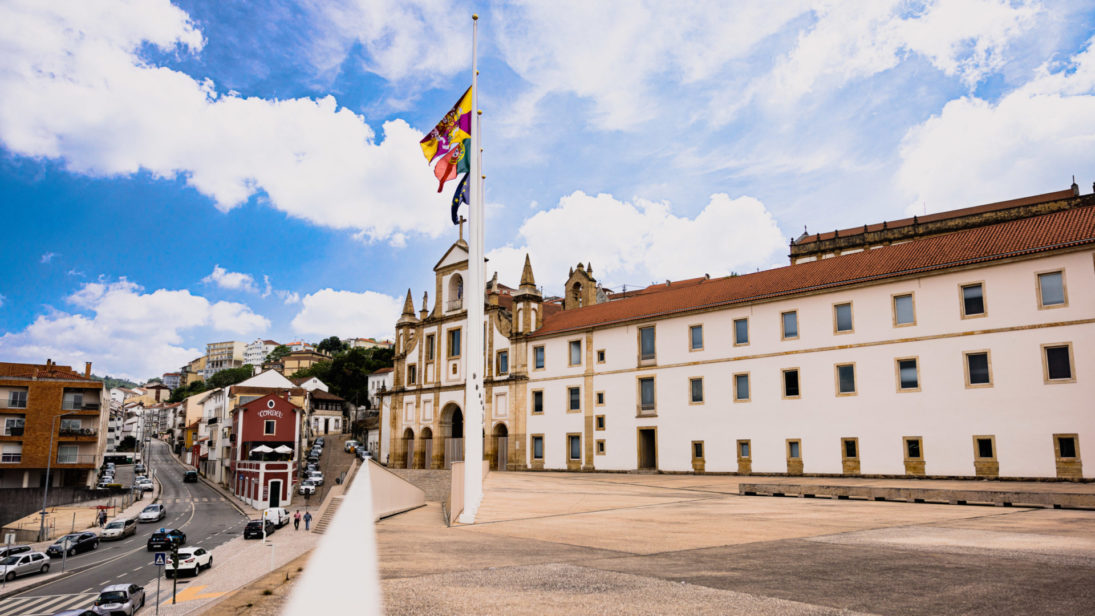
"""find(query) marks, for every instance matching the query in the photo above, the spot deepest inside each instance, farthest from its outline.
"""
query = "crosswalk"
(46, 605)
(192, 500)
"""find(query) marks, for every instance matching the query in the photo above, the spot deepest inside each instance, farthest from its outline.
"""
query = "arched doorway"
(427, 447)
(408, 448)
(452, 429)
(501, 447)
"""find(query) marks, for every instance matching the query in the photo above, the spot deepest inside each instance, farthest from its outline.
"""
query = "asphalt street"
(199, 511)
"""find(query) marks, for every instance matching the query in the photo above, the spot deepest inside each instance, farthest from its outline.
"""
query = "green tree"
(349, 372)
(332, 346)
(185, 391)
(230, 376)
(321, 370)
(279, 351)
(128, 443)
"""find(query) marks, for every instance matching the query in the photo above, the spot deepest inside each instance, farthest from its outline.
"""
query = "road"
(195, 508)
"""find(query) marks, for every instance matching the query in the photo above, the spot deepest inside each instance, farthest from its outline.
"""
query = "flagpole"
(473, 375)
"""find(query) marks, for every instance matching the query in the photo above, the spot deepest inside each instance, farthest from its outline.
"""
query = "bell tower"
(580, 289)
(528, 303)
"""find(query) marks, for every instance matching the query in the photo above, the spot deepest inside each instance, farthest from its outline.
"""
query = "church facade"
(959, 344)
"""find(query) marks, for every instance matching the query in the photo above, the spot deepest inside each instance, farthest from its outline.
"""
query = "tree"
(128, 443)
(183, 392)
(279, 351)
(348, 375)
(321, 370)
(332, 346)
(230, 376)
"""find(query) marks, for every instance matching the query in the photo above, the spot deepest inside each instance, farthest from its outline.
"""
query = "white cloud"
(641, 241)
(76, 89)
(1029, 142)
(126, 331)
(347, 314)
(48, 257)
(231, 280)
(287, 297)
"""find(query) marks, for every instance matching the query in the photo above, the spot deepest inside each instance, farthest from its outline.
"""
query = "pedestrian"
(296, 520)
(307, 520)
(102, 518)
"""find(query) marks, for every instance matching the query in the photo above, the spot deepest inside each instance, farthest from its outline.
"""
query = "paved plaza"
(599, 543)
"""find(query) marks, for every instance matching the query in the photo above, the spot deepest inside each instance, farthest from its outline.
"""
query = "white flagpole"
(473, 374)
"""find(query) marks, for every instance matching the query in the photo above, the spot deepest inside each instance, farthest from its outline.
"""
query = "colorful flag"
(461, 196)
(450, 141)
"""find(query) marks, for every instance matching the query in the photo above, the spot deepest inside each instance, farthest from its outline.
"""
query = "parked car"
(23, 564)
(253, 530)
(13, 550)
(316, 477)
(278, 515)
(313, 457)
(152, 513)
(190, 477)
(363, 454)
(307, 487)
(350, 445)
(166, 539)
(76, 542)
(139, 469)
(120, 599)
(144, 485)
(191, 560)
(321, 441)
(119, 529)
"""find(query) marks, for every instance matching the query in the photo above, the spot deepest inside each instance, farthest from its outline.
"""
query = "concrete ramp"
(391, 494)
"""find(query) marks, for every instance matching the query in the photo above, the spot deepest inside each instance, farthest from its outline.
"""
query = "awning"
(262, 449)
(283, 449)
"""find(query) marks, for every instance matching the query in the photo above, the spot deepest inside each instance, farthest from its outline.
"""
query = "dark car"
(190, 477)
(77, 542)
(253, 530)
(166, 539)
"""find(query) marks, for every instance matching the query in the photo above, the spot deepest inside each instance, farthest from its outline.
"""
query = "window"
(503, 362)
(17, 399)
(537, 402)
(574, 447)
(697, 450)
(845, 379)
(538, 358)
(646, 393)
(741, 331)
(600, 356)
(13, 426)
(908, 375)
(984, 447)
(67, 454)
(69, 426)
(574, 398)
(695, 338)
(600, 398)
(429, 347)
(903, 311)
(537, 447)
(599, 422)
(1066, 445)
(914, 449)
(973, 300)
(412, 374)
(696, 390)
(790, 325)
(72, 401)
(601, 447)
(575, 352)
(1057, 363)
(1051, 290)
(794, 448)
(646, 343)
(842, 318)
(741, 387)
(790, 383)
(12, 453)
(851, 447)
(978, 373)
(269, 426)
(454, 342)
(743, 449)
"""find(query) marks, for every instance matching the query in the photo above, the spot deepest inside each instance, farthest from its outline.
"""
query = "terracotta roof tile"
(1062, 229)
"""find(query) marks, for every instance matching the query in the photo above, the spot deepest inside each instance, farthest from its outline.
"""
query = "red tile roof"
(44, 371)
(1057, 230)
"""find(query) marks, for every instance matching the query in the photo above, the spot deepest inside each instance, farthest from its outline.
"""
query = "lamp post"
(49, 459)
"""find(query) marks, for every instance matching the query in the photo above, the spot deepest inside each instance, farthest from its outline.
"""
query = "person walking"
(307, 520)
(102, 518)
(296, 520)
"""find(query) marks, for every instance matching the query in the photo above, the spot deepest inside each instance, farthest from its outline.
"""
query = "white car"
(349, 446)
(144, 485)
(307, 487)
(315, 477)
(192, 560)
(152, 513)
(278, 516)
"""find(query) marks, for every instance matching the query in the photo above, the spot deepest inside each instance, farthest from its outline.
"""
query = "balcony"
(454, 304)
(77, 434)
(11, 458)
(86, 459)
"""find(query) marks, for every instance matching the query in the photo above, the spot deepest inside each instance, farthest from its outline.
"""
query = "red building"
(265, 433)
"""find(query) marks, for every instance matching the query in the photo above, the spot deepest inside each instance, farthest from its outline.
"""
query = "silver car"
(23, 564)
(124, 599)
(152, 513)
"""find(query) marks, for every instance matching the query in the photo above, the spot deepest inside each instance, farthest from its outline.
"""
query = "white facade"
(379, 381)
(255, 353)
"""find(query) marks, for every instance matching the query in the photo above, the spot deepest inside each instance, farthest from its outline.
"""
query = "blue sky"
(180, 173)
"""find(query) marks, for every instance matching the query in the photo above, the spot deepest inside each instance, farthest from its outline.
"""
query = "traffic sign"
(160, 559)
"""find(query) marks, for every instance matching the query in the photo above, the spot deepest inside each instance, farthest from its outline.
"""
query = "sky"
(179, 173)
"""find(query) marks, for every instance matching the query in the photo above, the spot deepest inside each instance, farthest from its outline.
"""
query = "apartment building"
(222, 356)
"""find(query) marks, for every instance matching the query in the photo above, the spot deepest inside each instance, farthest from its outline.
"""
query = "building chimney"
(87, 369)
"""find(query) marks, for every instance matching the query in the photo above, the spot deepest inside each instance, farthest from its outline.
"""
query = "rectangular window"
(845, 379)
(646, 343)
(574, 397)
(429, 347)
(537, 447)
(17, 400)
(741, 387)
(977, 369)
(741, 331)
(537, 402)
(743, 449)
(842, 318)
(1066, 446)
(790, 383)
(67, 454)
(695, 338)
(913, 448)
(794, 449)
(790, 325)
(1057, 362)
(600, 356)
(599, 422)
(601, 447)
(269, 426)
(454, 343)
(12, 453)
(851, 449)
(984, 447)
(13, 426)
(575, 446)
(973, 300)
(600, 398)
(538, 358)
(72, 401)
(908, 377)
(1051, 289)
(575, 352)
(412, 374)
(903, 312)
(646, 394)
(696, 386)
(70, 425)
(503, 362)
(697, 450)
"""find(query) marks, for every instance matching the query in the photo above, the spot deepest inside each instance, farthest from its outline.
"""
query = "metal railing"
(88, 458)
(78, 432)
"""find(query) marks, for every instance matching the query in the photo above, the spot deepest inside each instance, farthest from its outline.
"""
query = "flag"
(461, 196)
(450, 141)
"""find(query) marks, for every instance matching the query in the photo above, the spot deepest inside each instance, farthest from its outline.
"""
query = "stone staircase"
(328, 515)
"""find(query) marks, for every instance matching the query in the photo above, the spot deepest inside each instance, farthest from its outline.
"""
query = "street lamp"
(49, 459)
